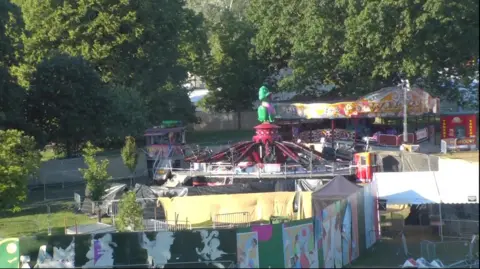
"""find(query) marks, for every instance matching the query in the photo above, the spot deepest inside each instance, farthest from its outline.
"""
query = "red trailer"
(461, 128)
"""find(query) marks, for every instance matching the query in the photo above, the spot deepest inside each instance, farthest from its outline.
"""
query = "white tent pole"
(439, 208)
(440, 200)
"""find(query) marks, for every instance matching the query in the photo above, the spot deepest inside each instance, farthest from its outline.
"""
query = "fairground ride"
(268, 156)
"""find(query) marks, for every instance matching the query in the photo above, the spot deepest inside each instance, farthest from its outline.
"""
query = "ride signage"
(385, 102)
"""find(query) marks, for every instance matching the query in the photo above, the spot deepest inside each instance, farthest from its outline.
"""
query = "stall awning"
(407, 187)
(448, 187)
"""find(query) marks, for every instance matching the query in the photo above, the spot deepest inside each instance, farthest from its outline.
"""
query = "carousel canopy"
(386, 102)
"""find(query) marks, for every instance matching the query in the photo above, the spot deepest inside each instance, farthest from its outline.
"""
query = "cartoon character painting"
(100, 253)
(300, 249)
(266, 111)
(61, 258)
(247, 250)
(210, 251)
(158, 250)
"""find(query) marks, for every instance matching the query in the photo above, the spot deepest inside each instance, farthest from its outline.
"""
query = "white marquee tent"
(453, 186)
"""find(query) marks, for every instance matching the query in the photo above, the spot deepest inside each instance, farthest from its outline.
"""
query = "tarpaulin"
(258, 206)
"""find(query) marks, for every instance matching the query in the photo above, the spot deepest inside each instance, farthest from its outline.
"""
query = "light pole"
(406, 88)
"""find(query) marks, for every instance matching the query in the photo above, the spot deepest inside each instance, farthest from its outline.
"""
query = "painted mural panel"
(372, 232)
(9, 253)
(56, 251)
(317, 225)
(270, 244)
(300, 249)
(347, 236)
(355, 252)
(109, 249)
(337, 233)
(362, 234)
(247, 250)
(200, 249)
(328, 235)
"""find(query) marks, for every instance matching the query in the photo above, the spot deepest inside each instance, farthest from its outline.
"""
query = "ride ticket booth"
(459, 130)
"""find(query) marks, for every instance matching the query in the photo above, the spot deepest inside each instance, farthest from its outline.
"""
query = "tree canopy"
(11, 52)
(233, 72)
(19, 160)
(144, 45)
(362, 45)
(73, 71)
(68, 101)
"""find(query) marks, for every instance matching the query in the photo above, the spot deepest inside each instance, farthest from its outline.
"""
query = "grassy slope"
(35, 220)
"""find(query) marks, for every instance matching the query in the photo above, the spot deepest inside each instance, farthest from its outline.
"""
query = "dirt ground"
(470, 156)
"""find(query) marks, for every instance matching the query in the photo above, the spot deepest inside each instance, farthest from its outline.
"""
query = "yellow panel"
(259, 206)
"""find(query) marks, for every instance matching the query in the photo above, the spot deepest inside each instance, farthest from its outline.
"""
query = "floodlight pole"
(406, 88)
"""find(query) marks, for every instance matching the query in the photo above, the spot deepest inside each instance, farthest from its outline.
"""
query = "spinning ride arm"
(316, 154)
(238, 147)
(247, 152)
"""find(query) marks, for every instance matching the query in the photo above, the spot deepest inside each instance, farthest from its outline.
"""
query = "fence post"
(443, 146)
(49, 220)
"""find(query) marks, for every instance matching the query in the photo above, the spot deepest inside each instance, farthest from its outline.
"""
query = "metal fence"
(460, 229)
(230, 220)
(450, 252)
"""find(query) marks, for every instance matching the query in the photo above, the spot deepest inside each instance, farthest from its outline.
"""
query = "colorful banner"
(164, 151)
(300, 248)
(387, 102)
(338, 235)
(247, 250)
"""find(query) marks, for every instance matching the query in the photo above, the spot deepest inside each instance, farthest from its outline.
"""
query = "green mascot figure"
(266, 111)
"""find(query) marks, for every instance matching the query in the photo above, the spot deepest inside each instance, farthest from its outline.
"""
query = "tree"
(11, 95)
(362, 45)
(138, 44)
(95, 175)
(130, 213)
(128, 114)
(130, 154)
(68, 101)
(233, 73)
(19, 160)
(11, 30)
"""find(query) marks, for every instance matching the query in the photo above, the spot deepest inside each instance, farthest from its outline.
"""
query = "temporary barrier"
(305, 243)
(394, 140)
(421, 135)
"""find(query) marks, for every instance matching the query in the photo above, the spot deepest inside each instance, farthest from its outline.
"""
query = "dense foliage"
(19, 160)
(77, 71)
(362, 45)
(95, 175)
(130, 213)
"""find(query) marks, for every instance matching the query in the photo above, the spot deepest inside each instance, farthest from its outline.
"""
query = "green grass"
(36, 221)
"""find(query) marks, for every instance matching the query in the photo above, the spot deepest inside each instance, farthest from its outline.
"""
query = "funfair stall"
(353, 120)
(459, 130)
